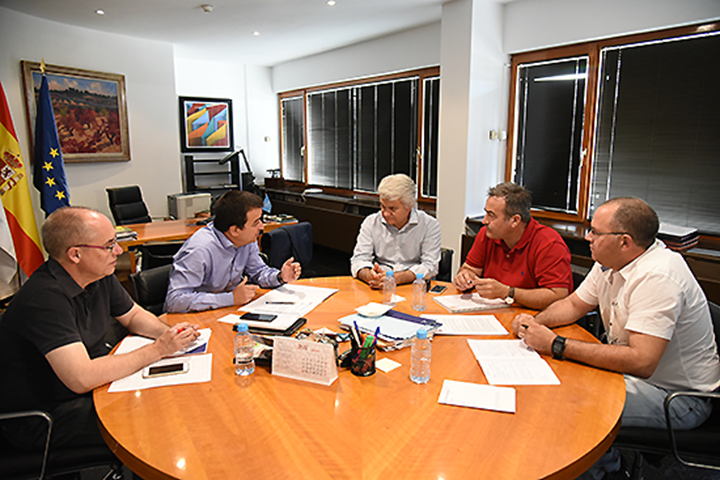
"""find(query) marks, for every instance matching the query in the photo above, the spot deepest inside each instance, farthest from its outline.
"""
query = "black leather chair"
(20, 464)
(445, 266)
(127, 205)
(288, 241)
(592, 322)
(150, 287)
(156, 254)
(699, 447)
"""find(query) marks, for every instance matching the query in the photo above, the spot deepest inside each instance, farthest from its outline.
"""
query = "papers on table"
(475, 395)
(511, 362)
(468, 302)
(468, 324)
(281, 323)
(289, 299)
(200, 366)
(199, 371)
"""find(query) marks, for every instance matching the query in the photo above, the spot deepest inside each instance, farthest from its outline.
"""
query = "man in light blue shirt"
(220, 265)
(399, 237)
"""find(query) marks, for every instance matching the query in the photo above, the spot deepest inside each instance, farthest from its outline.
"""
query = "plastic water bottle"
(389, 287)
(419, 293)
(420, 358)
(244, 345)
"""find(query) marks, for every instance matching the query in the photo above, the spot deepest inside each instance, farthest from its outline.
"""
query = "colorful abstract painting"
(206, 124)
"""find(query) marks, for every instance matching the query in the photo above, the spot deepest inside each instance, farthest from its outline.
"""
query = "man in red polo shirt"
(513, 256)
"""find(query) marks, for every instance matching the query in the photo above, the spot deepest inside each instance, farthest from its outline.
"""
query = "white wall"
(151, 102)
(263, 130)
(419, 47)
(534, 24)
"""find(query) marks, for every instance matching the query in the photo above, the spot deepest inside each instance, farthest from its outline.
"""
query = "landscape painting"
(206, 124)
(90, 111)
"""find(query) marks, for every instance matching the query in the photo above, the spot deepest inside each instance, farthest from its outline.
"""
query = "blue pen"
(377, 332)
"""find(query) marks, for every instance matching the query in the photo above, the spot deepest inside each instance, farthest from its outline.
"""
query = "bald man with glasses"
(660, 334)
(52, 346)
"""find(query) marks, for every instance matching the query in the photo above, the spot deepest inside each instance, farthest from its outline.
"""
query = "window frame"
(592, 50)
(421, 74)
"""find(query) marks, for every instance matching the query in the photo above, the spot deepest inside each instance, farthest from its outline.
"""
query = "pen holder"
(362, 361)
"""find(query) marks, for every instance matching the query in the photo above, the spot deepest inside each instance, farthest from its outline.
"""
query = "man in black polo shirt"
(52, 349)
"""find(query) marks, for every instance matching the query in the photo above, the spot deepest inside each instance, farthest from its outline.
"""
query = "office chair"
(288, 241)
(127, 205)
(699, 447)
(592, 322)
(157, 254)
(150, 287)
(20, 464)
(445, 265)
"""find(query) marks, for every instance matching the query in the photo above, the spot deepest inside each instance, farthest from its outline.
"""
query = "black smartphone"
(258, 317)
(438, 289)
(167, 369)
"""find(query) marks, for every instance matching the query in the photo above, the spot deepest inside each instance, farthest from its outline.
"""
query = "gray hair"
(398, 187)
(518, 199)
(65, 228)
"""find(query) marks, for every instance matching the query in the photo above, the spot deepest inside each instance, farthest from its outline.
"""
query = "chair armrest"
(668, 401)
(34, 413)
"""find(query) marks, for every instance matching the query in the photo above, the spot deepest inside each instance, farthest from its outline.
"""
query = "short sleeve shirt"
(50, 311)
(541, 259)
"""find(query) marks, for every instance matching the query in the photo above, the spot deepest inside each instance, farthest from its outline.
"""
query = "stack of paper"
(468, 302)
(468, 324)
(511, 362)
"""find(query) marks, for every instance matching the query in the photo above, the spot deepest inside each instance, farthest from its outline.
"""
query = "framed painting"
(90, 111)
(206, 124)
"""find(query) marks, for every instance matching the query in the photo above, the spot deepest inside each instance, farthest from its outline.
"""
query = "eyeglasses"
(109, 248)
(595, 233)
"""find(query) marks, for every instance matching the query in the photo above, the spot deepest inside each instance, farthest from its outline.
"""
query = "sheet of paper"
(475, 395)
(468, 324)
(387, 365)
(289, 299)
(134, 342)
(200, 371)
(511, 362)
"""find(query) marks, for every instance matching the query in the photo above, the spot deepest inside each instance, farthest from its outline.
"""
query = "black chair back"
(157, 254)
(445, 266)
(288, 241)
(150, 288)
(127, 205)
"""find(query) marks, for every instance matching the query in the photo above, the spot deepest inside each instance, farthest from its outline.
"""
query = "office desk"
(383, 426)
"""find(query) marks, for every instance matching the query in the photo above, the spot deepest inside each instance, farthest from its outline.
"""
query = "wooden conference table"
(383, 426)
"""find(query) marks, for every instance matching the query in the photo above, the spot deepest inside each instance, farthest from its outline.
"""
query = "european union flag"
(48, 168)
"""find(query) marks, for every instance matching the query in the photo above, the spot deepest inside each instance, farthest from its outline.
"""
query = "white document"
(281, 323)
(468, 302)
(134, 342)
(475, 395)
(199, 371)
(289, 299)
(468, 324)
(511, 362)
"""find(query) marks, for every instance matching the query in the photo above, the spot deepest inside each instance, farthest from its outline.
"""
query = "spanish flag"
(15, 194)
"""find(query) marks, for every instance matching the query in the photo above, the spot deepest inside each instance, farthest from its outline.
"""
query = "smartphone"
(438, 289)
(258, 317)
(166, 369)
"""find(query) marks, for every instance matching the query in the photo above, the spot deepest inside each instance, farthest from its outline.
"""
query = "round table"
(382, 426)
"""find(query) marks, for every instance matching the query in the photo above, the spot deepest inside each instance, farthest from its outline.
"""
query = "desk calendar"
(304, 360)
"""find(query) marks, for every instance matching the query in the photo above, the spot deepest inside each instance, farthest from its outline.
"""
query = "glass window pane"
(431, 122)
(293, 129)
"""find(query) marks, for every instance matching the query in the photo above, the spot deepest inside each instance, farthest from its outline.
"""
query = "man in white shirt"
(660, 332)
(399, 237)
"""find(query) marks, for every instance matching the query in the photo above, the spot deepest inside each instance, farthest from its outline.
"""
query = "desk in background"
(382, 426)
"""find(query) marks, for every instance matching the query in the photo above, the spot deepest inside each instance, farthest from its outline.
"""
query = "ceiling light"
(256, 33)
(207, 8)
(100, 11)
(331, 2)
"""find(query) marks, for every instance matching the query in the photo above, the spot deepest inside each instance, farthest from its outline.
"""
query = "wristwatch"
(510, 299)
(280, 279)
(558, 347)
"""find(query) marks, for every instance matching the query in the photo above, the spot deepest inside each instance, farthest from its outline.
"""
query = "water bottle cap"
(421, 334)
(242, 327)
(390, 273)
(419, 276)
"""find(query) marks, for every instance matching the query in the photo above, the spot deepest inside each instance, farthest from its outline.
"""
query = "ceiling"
(288, 29)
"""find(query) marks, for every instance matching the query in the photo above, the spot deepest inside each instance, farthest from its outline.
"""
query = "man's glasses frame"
(109, 248)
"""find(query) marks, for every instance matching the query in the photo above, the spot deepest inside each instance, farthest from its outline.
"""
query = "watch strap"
(558, 347)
